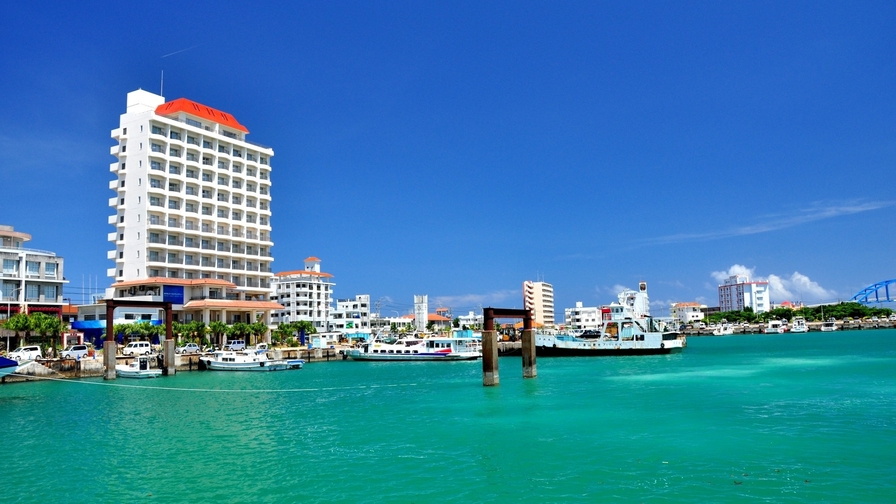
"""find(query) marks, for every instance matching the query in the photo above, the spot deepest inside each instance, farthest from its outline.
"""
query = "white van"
(235, 345)
(137, 348)
(29, 352)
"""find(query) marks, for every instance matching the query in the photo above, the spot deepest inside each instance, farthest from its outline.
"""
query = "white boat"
(138, 368)
(626, 329)
(799, 325)
(415, 348)
(775, 327)
(723, 329)
(250, 359)
(829, 325)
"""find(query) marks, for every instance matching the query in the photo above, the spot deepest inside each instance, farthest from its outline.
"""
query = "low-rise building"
(583, 317)
(687, 312)
(351, 315)
(32, 280)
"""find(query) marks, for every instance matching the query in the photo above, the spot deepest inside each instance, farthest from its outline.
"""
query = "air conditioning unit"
(132, 291)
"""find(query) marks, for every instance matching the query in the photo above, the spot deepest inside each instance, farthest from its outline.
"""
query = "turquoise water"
(794, 418)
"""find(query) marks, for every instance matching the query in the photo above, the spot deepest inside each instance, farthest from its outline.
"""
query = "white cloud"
(793, 287)
(737, 269)
(815, 212)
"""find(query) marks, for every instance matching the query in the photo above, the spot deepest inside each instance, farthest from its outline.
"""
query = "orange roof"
(303, 272)
(199, 110)
(312, 258)
(69, 309)
(686, 303)
(519, 325)
(229, 304)
(175, 281)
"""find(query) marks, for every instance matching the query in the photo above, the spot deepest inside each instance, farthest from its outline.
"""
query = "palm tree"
(218, 329)
(258, 329)
(19, 322)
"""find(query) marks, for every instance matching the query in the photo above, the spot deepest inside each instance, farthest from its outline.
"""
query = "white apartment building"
(738, 292)
(191, 211)
(471, 319)
(687, 312)
(539, 296)
(304, 295)
(351, 315)
(32, 279)
(583, 317)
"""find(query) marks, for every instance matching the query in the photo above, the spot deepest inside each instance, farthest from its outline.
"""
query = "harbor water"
(775, 418)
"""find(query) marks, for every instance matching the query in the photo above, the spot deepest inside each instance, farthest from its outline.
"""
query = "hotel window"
(175, 169)
(49, 292)
(192, 140)
(157, 131)
(50, 270)
(32, 292)
(155, 165)
(10, 267)
(193, 122)
(157, 148)
(175, 135)
(236, 200)
(222, 214)
(236, 184)
(222, 165)
(206, 144)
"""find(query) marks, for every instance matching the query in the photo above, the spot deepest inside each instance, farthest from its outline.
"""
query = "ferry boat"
(626, 329)
(415, 348)
(138, 368)
(775, 327)
(799, 325)
(829, 325)
(250, 359)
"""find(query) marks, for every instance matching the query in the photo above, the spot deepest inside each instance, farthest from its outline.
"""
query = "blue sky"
(456, 149)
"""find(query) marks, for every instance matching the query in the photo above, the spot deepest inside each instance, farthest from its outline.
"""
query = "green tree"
(19, 323)
(218, 329)
(258, 330)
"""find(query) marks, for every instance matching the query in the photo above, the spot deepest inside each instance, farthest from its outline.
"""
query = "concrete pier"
(528, 349)
(168, 357)
(110, 350)
(490, 359)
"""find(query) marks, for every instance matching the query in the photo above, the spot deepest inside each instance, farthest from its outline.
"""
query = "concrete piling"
(490, 358)
(528, 351)
(110, 351)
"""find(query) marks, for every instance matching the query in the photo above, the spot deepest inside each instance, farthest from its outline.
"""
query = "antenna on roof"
(162, 88)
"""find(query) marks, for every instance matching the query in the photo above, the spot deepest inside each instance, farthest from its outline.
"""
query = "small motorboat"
(139, 368)
(8, 366)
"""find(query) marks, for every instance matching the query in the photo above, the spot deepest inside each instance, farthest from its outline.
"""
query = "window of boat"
(612, 331)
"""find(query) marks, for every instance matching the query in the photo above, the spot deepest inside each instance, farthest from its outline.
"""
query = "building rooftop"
(199, 110)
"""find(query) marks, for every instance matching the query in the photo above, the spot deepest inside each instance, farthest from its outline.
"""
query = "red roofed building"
(191, 211)
(305, 294)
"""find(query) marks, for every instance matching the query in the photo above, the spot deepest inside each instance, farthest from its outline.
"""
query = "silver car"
(188, 348)
(74, 352)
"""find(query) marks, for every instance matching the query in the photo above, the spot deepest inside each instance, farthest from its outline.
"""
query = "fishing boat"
(723, 329)
(417, 348)
(774, 327)
(799, 325)
(8, 366)
(829, 325)
(250, 359)
(138, 368)
(626, 329)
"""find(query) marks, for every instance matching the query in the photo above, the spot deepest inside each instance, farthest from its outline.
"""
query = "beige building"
(539, 297)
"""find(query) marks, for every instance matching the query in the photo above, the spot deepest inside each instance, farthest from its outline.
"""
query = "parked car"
(74, 352)
(235, 345)
(137, 348)
(188, 348)
(29, 352)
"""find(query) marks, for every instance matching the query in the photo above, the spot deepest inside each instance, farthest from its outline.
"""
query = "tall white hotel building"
(191, 211)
